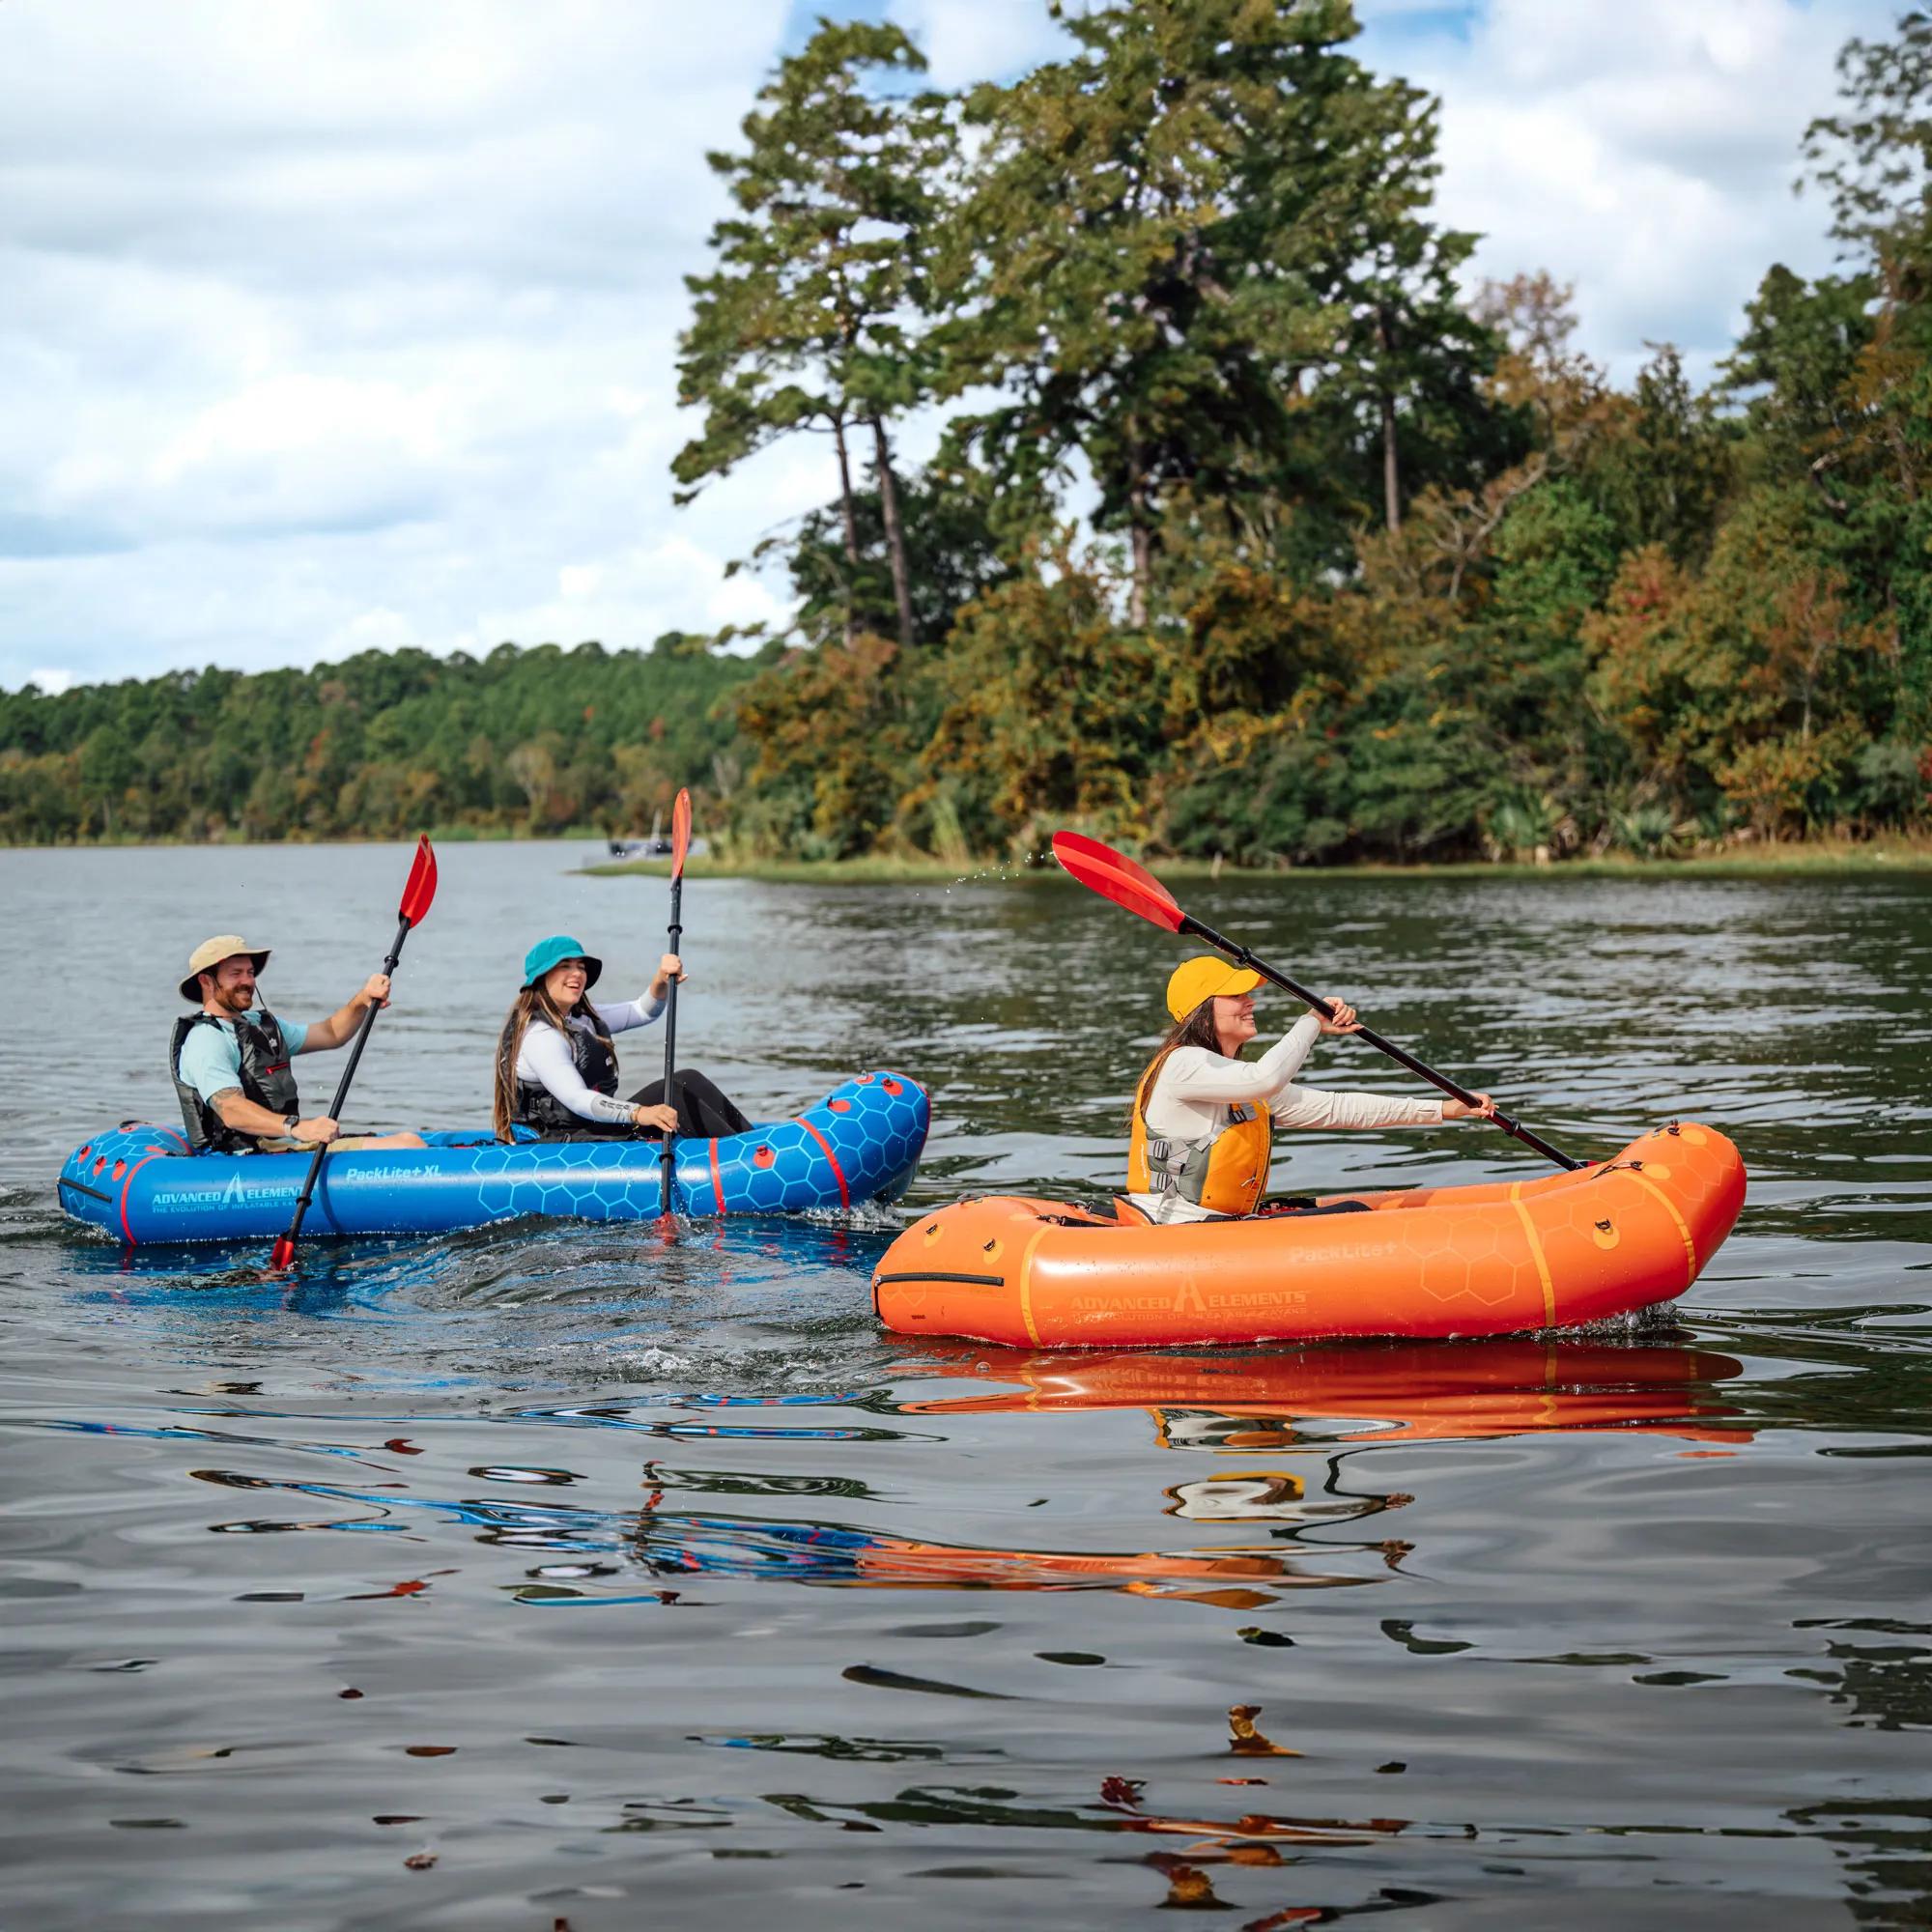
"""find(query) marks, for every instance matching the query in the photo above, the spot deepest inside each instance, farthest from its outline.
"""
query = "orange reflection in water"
(1419, 1392)
(1326, 1399)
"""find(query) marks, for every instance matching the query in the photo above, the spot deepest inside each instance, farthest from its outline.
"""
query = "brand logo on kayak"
(233, 1195)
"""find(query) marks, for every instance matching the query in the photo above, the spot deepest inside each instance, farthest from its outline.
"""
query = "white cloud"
(1643, 149)
(965, 40)
(338, 323)
(633, 594)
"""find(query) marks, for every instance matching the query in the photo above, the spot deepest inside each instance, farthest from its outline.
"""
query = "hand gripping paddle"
(1115, 876)
(413, 910)
(680, 843)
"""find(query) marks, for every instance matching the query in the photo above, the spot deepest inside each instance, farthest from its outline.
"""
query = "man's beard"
(236, 999)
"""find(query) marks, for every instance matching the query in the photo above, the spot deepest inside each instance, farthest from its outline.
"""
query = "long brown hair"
(1195, 1029)
(533, 1002)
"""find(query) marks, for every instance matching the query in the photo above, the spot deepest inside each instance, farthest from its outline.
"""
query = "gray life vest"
(266, 1080)
(596, 1063)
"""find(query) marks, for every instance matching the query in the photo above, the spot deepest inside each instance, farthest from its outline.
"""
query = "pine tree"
(810, 319)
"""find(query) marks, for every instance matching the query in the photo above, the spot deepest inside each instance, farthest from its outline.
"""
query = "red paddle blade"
(1115, 876)
(421, 887)
(680, 832)
(284, 1254)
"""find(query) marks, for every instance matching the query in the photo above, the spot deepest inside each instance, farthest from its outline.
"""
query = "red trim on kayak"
(127, 1233)
(844, 1192)
(716, 1186)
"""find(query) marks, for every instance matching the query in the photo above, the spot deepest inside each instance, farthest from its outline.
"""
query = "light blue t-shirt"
(210, 1062)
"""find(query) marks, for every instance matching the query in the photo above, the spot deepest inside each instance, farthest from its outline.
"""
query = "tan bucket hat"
(210, 955)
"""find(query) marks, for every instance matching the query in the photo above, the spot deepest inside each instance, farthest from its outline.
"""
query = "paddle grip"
(1316, 1003)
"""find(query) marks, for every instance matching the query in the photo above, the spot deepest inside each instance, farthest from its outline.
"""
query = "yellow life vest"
(1226, 1174)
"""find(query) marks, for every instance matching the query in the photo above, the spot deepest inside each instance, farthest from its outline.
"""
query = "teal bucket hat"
(553, 952)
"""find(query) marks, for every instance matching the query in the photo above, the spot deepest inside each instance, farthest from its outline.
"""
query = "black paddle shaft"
(668, 1186)
(1243, 957)
(369, 1013)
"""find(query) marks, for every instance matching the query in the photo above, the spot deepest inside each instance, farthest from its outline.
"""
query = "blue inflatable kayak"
(140, 1183)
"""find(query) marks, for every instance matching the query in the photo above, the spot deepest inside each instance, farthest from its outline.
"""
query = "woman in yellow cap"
(1204, 1119)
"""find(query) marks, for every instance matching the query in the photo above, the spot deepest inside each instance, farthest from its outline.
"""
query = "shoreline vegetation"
(1824, 856)
(1253, 532)
(1829, 855)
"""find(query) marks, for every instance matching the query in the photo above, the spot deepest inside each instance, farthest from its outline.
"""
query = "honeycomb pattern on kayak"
(861, 1141)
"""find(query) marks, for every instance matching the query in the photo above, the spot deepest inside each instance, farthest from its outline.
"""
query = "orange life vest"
(1226, 1174)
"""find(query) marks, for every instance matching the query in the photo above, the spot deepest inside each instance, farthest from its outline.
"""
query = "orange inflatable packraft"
(1497, 1259)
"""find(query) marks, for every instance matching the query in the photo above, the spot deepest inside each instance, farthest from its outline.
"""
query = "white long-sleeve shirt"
(544, 1059)
(1197, 1086)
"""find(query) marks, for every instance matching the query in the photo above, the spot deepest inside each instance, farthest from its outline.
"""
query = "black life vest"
(596, 1063)
(266, 1080)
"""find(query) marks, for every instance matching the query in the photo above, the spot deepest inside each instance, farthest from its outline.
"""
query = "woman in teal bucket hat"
(556, 1070)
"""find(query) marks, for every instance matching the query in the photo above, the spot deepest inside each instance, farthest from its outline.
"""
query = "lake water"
(573, 1577)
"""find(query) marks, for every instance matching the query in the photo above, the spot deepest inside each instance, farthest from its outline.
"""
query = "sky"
(341, 324)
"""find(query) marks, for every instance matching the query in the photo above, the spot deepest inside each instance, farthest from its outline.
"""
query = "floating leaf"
(1245, 1741)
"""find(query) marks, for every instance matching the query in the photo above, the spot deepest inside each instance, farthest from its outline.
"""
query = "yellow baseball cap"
(1205, 978)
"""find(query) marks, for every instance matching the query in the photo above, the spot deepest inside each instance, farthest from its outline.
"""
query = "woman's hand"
(1484, 1109)
(662, 1118)
(670, 967)
(1341, 1018)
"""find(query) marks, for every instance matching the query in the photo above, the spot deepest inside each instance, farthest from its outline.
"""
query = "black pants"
(1302, 1205)
(704, 1113)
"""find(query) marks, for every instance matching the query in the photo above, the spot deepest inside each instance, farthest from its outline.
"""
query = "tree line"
(1248, 531)
(381, 746)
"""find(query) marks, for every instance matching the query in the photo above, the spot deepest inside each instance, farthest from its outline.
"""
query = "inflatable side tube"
(1546, 1252)
(140, 1184)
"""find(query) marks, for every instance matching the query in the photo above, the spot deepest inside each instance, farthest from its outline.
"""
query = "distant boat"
(656, 846)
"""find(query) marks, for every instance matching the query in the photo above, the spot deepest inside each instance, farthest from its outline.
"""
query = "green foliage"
(1196, 255)
(803, 324)
(1793, 367)
(380, 746)
(951, 547)
(1663, 470)
(1874, 157)
(1045, 717)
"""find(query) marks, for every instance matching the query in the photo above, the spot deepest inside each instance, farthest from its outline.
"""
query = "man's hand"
(375, 991)
(319, 1129)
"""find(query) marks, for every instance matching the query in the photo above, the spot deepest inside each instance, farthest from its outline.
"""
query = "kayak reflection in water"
(556, 1070)
(1204, 1119)
(1226, 1402)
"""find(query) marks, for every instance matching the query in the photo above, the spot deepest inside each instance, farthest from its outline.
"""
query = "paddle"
(413, 910)
(1115, 876)
(680, 843)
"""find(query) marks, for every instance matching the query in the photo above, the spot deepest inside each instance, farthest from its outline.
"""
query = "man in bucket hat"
(230, 1061)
